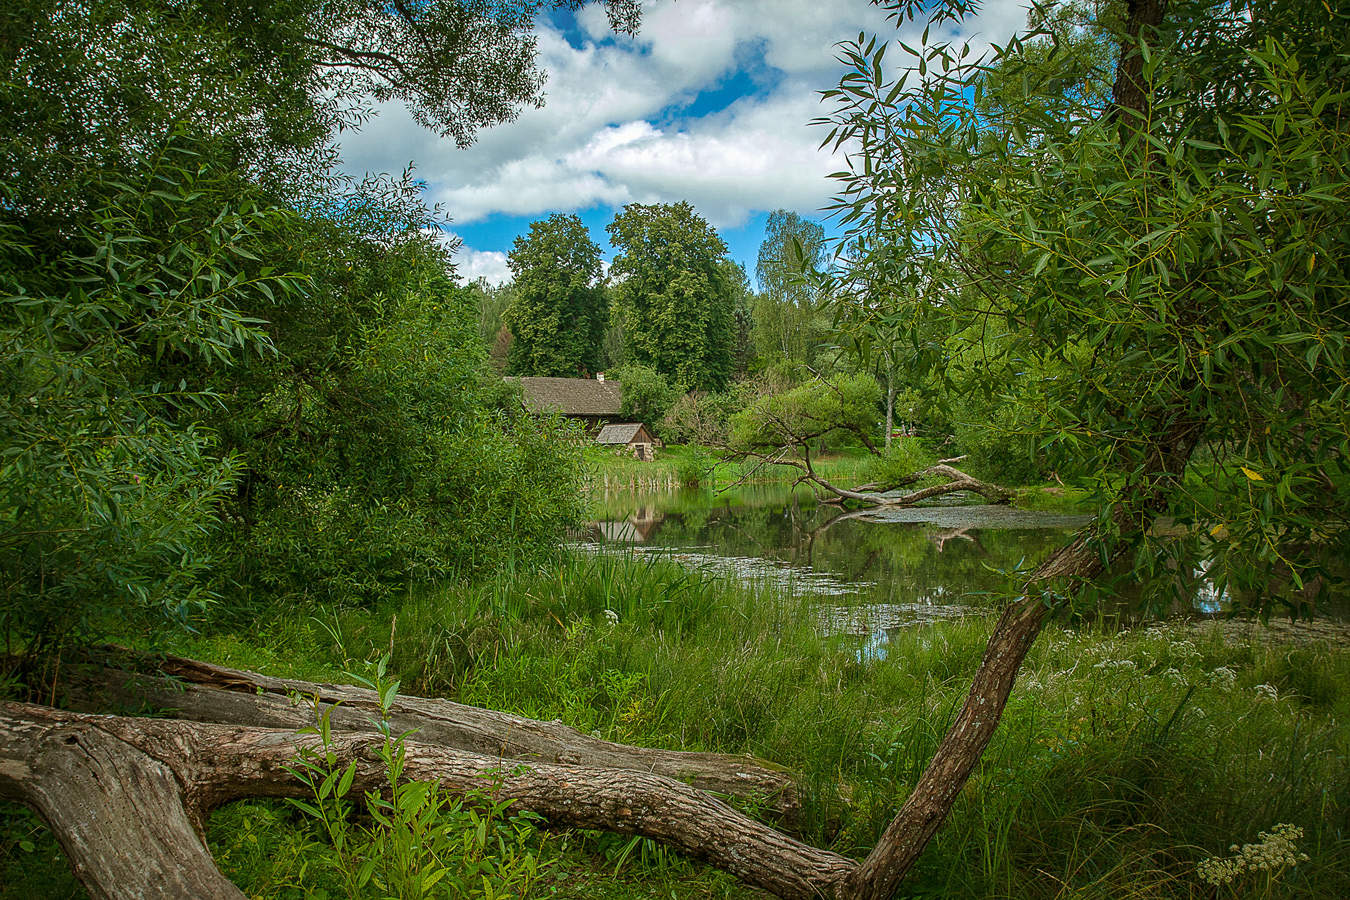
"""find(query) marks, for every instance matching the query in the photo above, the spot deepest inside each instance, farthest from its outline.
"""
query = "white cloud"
(471, 265)
(611, 132)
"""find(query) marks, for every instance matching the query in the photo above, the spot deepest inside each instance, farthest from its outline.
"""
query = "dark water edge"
(873, 571)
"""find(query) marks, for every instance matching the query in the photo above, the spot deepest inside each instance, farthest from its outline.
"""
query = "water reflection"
(880, 569)
(874, 571)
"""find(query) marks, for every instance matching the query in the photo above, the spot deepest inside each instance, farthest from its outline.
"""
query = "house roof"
(620, 434)
(571, 396)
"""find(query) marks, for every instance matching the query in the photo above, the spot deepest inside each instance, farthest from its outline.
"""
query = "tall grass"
(1124, 759)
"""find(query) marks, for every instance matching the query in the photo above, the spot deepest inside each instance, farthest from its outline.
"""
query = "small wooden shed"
(634, 436)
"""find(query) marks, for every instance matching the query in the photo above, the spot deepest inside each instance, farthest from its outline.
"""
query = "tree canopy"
(227, 368)
(789, 324)
(1161, 261)
(672, 291)
(559, 309)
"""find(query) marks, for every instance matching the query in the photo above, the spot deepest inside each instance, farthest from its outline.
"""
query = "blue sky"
(709, 103)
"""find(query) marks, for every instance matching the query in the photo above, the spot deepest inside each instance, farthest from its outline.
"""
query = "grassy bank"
(1124, 759)
(678, 465)
(688, 466)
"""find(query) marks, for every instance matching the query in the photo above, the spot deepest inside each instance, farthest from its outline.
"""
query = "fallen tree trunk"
(882, 496)
(201, 692)
(126, 796)
(886, 495)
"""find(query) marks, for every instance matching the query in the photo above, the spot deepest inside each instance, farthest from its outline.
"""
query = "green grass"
(1123, 759)
(675, 464)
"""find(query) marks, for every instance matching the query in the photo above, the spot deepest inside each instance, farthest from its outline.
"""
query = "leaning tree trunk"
(931, 801)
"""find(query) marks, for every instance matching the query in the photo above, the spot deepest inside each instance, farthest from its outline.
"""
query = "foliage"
(105, 493)
(558, 313)
(904, 457)
(1167, 267)
(672, 293)
(493, 301)
(742, 318)
(701, 418)
(419, 842)
(208, 331)
(790, 324)
(389, 465)
(803, 416)
(646, 395)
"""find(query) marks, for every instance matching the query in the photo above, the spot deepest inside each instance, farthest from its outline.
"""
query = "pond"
(874, 571)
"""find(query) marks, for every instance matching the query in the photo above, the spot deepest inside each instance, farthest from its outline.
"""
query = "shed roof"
(621, 434)
(571, 396)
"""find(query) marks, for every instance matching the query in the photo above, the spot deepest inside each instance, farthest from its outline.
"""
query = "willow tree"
(1167, 238)
(1170, 235)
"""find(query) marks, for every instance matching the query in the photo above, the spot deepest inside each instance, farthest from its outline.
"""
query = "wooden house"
(594, 402)
(633, 438)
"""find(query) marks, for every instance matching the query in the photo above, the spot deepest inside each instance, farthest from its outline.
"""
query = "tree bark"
(202, 692)
(117, 810)
(929, 804)
(956, 481)
(1129, 93)
(123, 794)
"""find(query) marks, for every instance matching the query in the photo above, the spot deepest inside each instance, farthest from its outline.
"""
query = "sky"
(710, 103)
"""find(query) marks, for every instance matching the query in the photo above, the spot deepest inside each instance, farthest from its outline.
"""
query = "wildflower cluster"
(1223, 677)
(1275, 852)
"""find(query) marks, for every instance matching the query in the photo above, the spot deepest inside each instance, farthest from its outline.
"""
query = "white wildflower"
(1267, 692)
(611, 617)
(1275, 851)
(1222, 677)
(1114, 665)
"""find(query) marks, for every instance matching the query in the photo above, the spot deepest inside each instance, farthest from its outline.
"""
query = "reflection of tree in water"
(893, 562)
(957, 561)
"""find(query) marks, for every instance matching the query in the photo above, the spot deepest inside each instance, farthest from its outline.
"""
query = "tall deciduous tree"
(559, 312)
(789, 325)
(671, 289)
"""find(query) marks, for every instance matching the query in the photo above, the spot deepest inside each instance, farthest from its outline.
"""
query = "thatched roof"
(571, 396)
(623, 434)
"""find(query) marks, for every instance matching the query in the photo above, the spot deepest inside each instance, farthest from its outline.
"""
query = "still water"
(872, 570)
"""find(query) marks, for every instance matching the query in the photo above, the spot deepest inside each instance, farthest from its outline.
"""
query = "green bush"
(388, 465)
(647, 395)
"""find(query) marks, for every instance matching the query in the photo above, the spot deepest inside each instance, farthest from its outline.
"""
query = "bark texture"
(1129, 93)
(117, 810)
(201, 692)
(928, 805)
(123, 793)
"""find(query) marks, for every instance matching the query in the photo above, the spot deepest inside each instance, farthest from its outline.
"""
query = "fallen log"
(201, 692)
(888, 496)
(126, 796)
